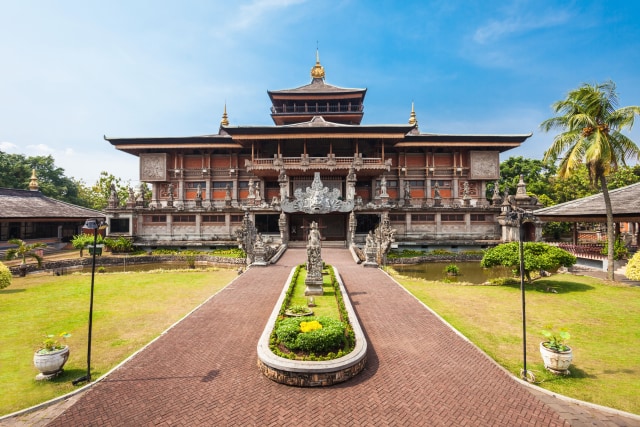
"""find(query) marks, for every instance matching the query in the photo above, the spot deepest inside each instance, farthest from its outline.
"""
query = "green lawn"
(603, 319)
(130, 309)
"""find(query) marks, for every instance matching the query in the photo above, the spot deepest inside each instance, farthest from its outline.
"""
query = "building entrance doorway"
(331, 226)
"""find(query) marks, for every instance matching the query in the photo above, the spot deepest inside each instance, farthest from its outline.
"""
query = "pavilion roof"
(625, 202)
(33, 205)
(316, 87)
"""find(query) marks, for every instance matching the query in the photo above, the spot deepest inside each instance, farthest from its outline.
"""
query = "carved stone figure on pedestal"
(465, 193)
(114, 201)
(259, 252)
(227, 195)
(252, 194)
(313, 281)
(370, 251)
(199, 196)
(246, 235)
(437, 199)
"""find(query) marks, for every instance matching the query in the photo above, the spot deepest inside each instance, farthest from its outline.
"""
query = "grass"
(325, 304)
(147, 303)
(601, 317)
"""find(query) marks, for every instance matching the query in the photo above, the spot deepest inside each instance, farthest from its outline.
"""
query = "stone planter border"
(307, 373)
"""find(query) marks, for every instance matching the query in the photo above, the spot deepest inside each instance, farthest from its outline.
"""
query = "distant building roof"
(33, 205)
(625, 202)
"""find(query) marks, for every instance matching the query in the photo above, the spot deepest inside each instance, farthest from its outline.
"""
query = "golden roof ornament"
(225, 118)
(33, 183)
(317, 72)
(412, 118)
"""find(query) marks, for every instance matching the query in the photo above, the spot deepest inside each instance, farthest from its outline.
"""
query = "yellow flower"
(310, 326)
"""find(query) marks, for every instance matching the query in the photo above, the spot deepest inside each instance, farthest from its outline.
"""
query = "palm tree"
(591, 126)
(24, 251)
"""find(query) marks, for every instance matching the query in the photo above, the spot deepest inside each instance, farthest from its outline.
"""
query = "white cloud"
(519, 22)
(254, 11)
(7, 146)
(41, 149)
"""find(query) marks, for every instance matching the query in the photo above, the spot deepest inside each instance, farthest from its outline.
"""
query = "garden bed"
(311, 373)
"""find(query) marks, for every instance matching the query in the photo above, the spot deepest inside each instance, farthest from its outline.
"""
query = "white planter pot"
(50, 364)
(556, 362)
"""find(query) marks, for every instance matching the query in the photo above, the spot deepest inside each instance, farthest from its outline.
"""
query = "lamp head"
(91, 224)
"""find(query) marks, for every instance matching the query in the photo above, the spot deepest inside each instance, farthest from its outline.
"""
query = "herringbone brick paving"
(419, 372)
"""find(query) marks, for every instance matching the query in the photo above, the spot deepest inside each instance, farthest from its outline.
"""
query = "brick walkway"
(419, 372)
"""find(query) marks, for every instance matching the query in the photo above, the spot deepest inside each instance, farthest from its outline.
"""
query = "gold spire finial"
(33, 183)
(317, 72)
(412, 118)
(225, 119)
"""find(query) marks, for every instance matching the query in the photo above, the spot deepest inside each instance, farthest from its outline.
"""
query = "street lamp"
(95, 225)
(521, 216)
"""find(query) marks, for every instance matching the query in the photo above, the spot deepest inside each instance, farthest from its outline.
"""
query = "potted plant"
(51, 356)
(25, 250)
(556, 354)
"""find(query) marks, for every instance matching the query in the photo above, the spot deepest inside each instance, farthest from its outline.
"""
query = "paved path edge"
(86, 387)
(538, 389)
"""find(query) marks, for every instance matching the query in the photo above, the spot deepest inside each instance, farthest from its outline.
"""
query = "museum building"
(316, 163)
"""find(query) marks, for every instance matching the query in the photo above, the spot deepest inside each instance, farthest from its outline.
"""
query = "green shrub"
(405, 253)
(633, 267)
(229, 253)
(452, 269)
(441, 252)
(329, 337)
(120, 244)
(5, 276)
(620, 250)
(164, 252)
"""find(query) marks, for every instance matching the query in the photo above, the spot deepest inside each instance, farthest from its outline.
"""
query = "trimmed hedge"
(330, 337)
(633, 267)
(5, 276)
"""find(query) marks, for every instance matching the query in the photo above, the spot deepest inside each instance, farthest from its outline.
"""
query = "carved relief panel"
(153, 167)
(485, 165)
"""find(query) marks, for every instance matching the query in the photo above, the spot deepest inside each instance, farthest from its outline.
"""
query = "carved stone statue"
(370, 251)
(246, 236)
(383, 187)
(252, 194)
(407, 190)
(313, 280)
(317, 199)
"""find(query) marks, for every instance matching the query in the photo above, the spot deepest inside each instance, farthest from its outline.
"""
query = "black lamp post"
(521, 216)
(91, 224)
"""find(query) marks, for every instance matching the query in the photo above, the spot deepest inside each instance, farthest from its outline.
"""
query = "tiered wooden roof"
(625, 202)
(35, 206)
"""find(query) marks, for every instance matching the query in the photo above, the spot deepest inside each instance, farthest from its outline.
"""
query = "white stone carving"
(153, 167)
(485, 165)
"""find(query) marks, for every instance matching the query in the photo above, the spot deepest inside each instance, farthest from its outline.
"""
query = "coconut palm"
(591, 126)
(24, 250)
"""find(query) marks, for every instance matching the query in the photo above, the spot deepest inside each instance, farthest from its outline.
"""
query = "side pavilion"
(626, 208)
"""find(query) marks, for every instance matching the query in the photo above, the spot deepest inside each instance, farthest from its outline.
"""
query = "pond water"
(470, 272)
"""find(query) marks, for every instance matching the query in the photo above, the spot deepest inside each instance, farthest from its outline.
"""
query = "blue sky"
(73, 71)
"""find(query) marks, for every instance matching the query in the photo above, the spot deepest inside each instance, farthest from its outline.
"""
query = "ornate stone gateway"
(317, 199)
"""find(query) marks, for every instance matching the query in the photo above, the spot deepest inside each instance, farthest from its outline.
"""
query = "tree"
(536, 175)
(15, 172)
(98, 195)
(25, 250)
(537, 256)
(591, 125)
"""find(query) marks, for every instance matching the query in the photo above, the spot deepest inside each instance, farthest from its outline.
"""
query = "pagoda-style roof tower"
(301, 104)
